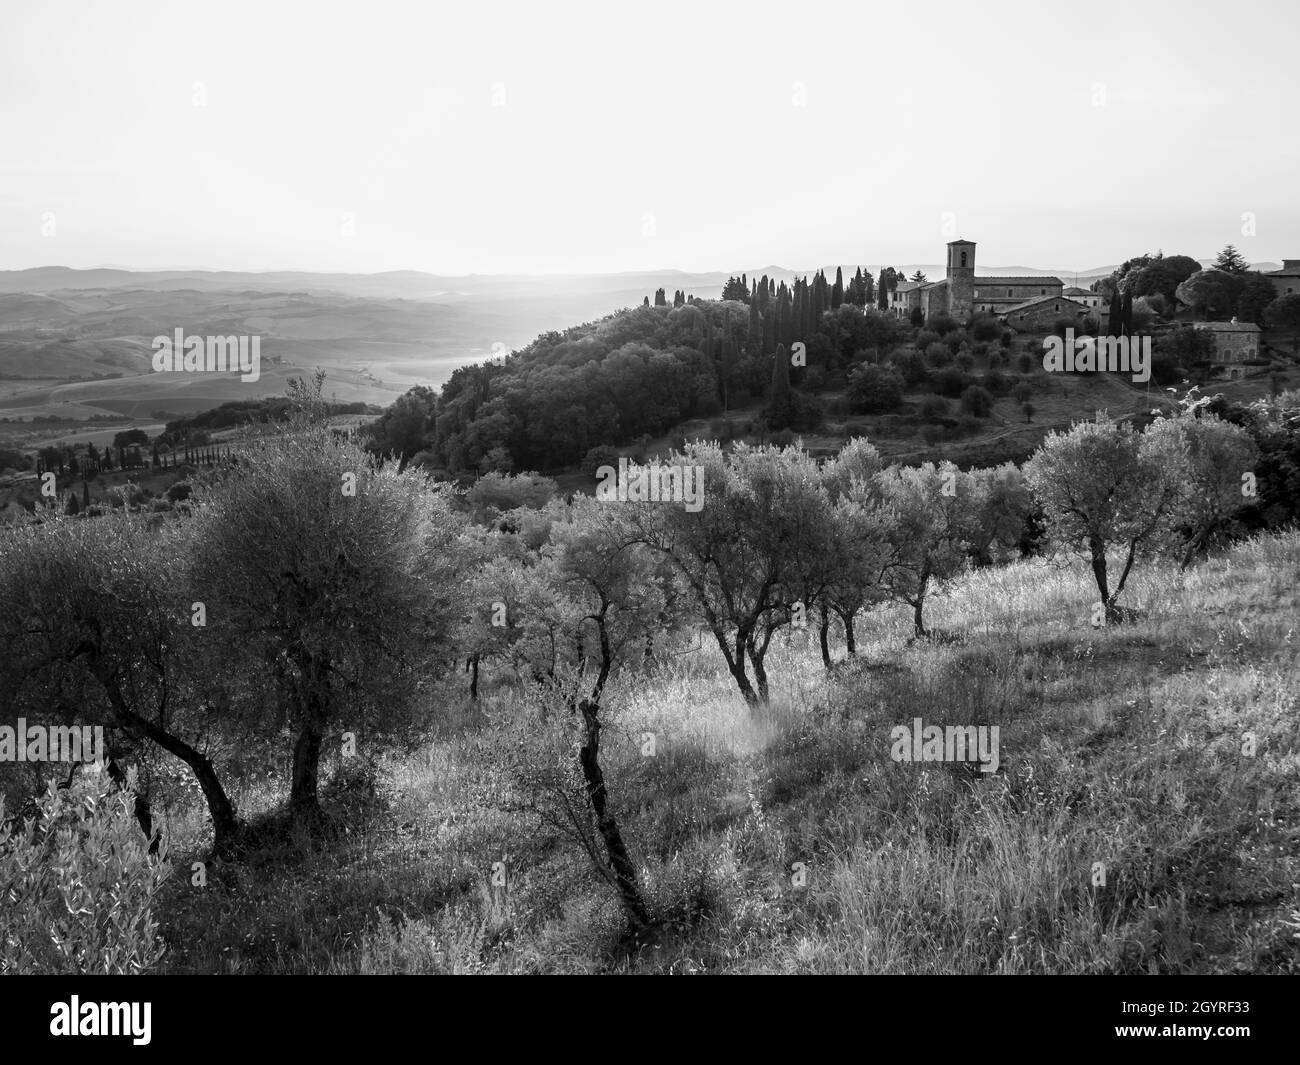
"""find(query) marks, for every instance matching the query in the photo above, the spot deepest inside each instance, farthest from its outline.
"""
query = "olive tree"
(860, 548)
(750, 552)
(96, 629)
(1211, 465)
(1102, 490)
(336, 581)
(934, 517)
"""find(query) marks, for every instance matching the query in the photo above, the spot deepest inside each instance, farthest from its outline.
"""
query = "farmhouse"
(961, 294)
(1234, 343)
(1094, 301)
(1040, 313)
(1286, 280)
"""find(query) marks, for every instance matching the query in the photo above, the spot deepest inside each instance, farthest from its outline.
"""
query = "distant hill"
(601, 291)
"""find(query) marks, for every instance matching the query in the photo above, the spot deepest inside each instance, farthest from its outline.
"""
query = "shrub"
(911, 365)
(79, 886)
(874, 389)
(984, 327)
(977, 401)
(598, 456)
(938, 355)
(950, 381)
(933, 408)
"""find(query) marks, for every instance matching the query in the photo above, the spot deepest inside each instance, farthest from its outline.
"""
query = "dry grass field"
(1127, 832)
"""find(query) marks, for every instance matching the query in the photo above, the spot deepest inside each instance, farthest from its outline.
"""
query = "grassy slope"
(1120, 746)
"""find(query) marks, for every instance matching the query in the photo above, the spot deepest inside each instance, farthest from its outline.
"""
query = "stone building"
(1234, 343)
(1286, 280)
(1091, 300)
(961, 294)
(1041, 313)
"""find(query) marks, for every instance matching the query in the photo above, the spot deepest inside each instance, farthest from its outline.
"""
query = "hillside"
(643, 380)
(1121, 747)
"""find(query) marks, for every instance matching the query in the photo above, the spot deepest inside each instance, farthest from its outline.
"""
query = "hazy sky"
(491, 136)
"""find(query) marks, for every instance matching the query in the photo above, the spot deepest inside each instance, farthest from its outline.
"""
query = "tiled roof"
(1228, 327)
(995, 281)
(1037, 300)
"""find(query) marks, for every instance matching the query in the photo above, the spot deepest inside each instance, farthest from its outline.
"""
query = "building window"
(963, 258)
(1009, 293)
(1042, 292)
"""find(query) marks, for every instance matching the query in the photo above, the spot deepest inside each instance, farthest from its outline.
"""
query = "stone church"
(961, 294)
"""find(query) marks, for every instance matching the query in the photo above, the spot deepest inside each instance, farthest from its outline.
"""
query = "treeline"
(194, 429)
(1162, 284)
(631, 376)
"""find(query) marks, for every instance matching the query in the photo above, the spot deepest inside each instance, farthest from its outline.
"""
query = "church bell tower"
(961, 279)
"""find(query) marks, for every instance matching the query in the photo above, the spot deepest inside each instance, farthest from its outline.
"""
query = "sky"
(559, 137)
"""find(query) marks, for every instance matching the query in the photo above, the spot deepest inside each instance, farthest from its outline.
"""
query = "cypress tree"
(784, 316)
(1116, 324)
(837, 293)
(780, 405)
(779, 312)
(755, 336)
(1128, 312)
